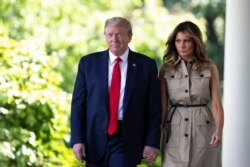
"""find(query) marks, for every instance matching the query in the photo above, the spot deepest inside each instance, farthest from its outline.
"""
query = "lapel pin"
(133, 64)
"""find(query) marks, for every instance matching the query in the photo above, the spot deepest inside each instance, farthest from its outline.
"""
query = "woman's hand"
(216, 139)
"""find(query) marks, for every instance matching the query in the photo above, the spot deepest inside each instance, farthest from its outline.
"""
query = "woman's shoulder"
(212, 66)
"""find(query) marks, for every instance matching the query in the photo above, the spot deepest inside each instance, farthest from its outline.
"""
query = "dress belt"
(172, 114)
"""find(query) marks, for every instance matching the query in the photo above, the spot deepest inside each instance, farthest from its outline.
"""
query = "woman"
(189, 81)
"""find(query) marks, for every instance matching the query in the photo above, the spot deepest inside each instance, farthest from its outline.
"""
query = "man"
(116, 110)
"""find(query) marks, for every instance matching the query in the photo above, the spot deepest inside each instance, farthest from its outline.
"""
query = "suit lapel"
(104, 58)
(131, 73)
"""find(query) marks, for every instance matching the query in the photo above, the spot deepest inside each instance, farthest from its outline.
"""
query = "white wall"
(236, 136)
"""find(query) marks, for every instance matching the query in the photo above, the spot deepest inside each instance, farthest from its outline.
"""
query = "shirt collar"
(124, 56)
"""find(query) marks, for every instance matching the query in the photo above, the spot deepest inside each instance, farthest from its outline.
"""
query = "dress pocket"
(204, 128)
(201, 80)
(173, 79)
(174, 139)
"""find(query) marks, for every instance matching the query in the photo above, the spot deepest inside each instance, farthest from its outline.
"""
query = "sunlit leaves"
(33, 107)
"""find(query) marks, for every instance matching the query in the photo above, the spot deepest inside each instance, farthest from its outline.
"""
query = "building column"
(236, 136)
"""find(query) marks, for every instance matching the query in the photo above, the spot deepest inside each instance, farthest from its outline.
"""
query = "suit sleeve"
(154, 109)
(78, 107)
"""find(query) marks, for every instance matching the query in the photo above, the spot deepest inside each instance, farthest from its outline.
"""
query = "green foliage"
(70, 29)
(33, 107)
(156, 163)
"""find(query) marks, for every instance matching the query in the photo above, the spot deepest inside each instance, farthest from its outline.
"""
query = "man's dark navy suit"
(141, 106)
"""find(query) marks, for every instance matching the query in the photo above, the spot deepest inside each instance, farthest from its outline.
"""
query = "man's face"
(117, 38)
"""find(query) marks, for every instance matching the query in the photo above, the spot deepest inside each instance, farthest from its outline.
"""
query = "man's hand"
(79, 151)
(150, 154)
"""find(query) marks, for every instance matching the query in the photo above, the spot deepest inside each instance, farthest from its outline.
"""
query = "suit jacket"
(141, 106)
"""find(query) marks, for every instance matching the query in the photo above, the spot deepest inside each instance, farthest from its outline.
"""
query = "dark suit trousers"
(114, 156)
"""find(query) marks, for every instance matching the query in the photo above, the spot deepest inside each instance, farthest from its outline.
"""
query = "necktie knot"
(118, 60)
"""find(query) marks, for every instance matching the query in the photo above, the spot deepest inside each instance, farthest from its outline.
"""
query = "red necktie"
(114, 96)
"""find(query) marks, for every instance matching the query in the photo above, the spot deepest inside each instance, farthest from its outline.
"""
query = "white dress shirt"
(123, 68)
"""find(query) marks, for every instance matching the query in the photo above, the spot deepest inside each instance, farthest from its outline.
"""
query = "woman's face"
(184, 45)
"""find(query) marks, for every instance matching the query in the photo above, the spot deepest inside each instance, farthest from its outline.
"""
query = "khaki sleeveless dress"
(191, 127)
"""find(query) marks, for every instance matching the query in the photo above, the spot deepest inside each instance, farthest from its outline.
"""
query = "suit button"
(172, 76)
(186, 135)
(186, 76)
(202, 75)
(186, 91)
(186, 119)
(207, 122)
